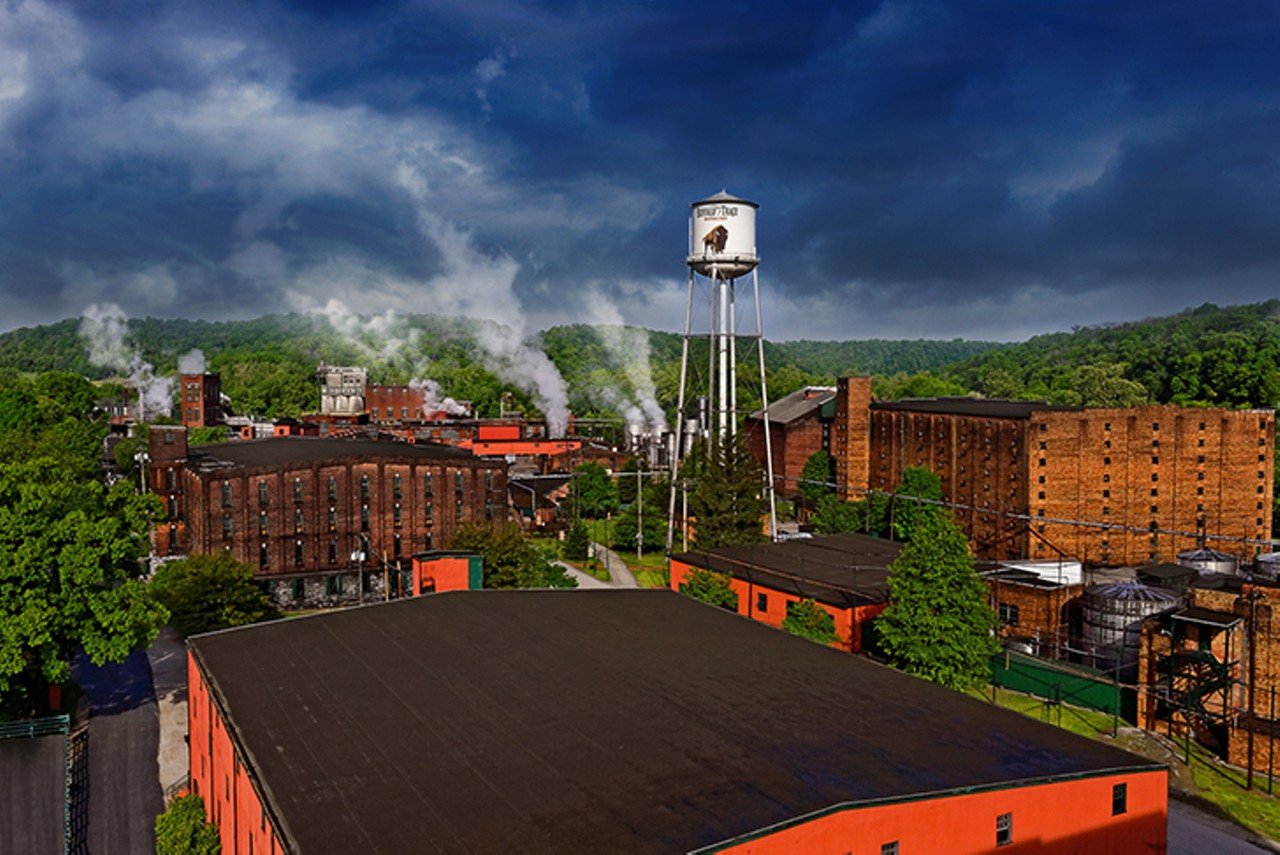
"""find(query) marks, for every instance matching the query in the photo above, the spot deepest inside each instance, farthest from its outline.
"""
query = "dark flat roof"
(592, 721)
(33, 794)
(1209, 617)
(839, 569)
(987, 408)
(286, 451)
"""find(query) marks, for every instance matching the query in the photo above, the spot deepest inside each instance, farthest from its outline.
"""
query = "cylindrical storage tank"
(1208, 560)
(1266, 568)
(1113, 615)
(722, 236)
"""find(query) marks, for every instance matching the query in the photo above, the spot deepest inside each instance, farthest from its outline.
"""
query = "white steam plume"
(629, 349)
(192, 362)
(433, 401)
(104, 328)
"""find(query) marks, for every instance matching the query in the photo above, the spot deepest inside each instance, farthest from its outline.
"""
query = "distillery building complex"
(325, 520)
(472, 721)
(1105, 486)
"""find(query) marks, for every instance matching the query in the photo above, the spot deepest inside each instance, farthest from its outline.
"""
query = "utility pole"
(639, 516)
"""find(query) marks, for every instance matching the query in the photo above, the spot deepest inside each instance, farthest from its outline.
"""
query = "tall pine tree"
(938, 624)
(727, 499)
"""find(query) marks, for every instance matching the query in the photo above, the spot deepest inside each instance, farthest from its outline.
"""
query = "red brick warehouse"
(298, 509)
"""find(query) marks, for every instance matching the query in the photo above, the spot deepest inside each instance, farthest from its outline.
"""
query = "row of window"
(397, 487)
(397, 518)
(299, 554)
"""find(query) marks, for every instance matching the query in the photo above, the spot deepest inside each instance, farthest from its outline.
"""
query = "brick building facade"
(1014, 467)
(201, 400)
(297, 509)
(800, 425)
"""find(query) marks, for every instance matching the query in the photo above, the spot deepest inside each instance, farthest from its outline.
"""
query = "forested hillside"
(268, 364)
(1208, 355)
(1227, 356)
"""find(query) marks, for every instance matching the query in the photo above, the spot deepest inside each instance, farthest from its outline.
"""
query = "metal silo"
(1208, 560)
(1266, 568)
(1113, 615)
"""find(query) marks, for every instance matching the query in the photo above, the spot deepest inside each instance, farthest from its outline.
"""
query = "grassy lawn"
(650, 578)
(1218, 787)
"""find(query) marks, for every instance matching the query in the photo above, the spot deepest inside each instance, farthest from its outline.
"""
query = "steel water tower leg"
(723, 348)
(764, 405)
(675, 456)
(713, 325)
(732, 335)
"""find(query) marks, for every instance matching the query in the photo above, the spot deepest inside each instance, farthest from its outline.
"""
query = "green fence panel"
(1056, 682)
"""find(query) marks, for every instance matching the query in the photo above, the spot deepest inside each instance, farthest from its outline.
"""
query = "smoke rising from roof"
(192, 362)
(629, 349)
(104, 328)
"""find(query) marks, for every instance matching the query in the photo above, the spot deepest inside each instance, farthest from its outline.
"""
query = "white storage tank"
(722, 236)
(1208, 560)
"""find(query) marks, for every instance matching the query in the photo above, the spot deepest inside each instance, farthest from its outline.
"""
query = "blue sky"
(987, 170)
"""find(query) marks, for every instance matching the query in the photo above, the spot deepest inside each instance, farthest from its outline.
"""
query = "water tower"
(722, 248)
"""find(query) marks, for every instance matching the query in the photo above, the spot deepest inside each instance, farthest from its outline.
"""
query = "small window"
(395, 486)
(427, 512)
(170, 479)
(263, 556)
(1119, 799)
(1200, 443)
(1155, 426)
(890, 848)
(333, 552)
(263, 495)
(1008, 614)
(226, 494)
(1106, 461)
(333, 489)
(364, 517)
(299, 588)
(1155, 460)
(297, 522)
(1107, 426)
(1106, 494)
(1155, 491)
(297, 491)
(488, 480)
(427, 482)
(297, 553)
(1200, 459)
(333, 519)
(1200, 490)
(395, 547)
(262, 524)
(457, 482)
(762, 602)
(364, 488)
(457, 512)
(332, 586)
(226, 525)
(1004, 829)
(396, 516)
(1201, 428)
(1106, 478)
(404, 412)
(168, 437)
(1155, 476)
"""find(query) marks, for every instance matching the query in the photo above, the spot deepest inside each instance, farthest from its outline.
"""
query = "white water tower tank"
(722, 236)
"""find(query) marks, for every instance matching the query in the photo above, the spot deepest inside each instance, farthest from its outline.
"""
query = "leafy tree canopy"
(182, 830)
(816, 476)
(596, 493)
(938, 624)
(204, 593)
(710, 587)
(511, 560)
(577, 541)
(807, 619)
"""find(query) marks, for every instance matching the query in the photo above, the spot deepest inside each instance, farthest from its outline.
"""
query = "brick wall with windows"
(1173, 468)
(309, 518)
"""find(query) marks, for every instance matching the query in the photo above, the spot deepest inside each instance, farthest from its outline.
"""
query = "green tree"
(182, 829)
(627, 480)
(70, 572)
(834, 516)
(710, 587)
(816, 477)
(204, 593)
(938, 624)
(510, 559)
(577, 541)
(596, 492)
(917, 487)
(726, 499)
(206, 435)
(807, 619)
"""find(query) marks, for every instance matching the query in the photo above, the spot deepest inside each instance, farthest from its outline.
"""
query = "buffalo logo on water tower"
(715, 240)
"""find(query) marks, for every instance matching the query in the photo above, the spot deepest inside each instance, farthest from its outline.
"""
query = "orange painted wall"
(1064, 817)
(220, 778)
(521, 447)
(849, 621)
(447, 572)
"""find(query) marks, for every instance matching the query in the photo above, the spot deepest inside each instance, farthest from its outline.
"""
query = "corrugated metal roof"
(987, 408)
(799, 403)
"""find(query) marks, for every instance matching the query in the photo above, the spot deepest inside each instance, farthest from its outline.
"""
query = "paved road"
(619, 572)
(1194, 832)
(124, 785)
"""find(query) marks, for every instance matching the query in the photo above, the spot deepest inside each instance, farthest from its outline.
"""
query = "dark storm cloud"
(990, 169)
